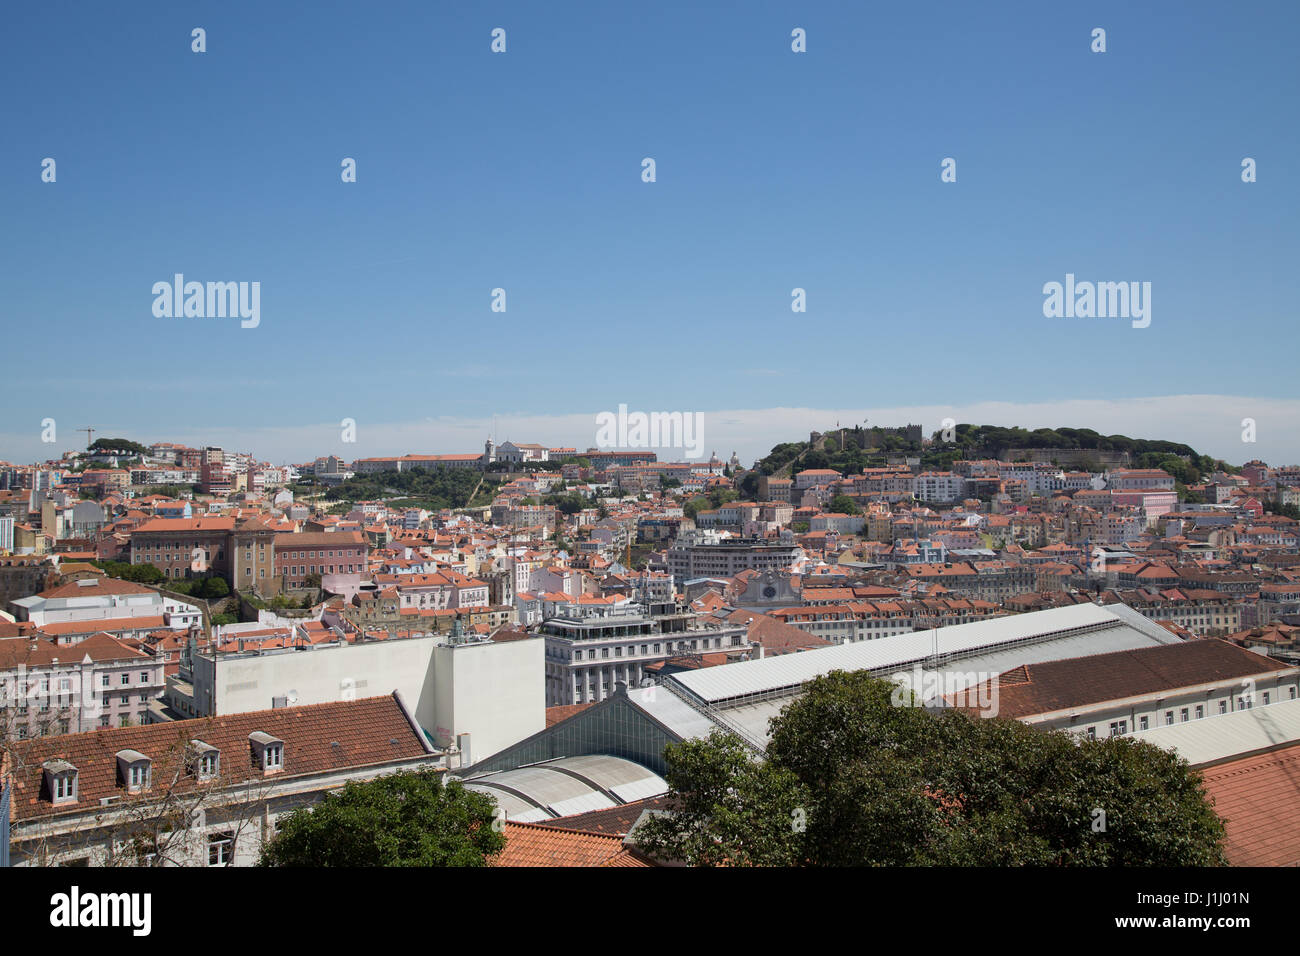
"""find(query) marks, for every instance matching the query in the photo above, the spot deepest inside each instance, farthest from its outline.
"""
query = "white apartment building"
(48, 688)
(591, 649)
(104, 599)
(729, 557)
(941, 486)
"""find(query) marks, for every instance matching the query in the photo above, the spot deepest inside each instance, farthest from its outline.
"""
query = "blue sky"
(522, 171)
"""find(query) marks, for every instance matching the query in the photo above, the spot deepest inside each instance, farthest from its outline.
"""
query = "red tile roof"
(317, 738)
(100, 588)
(98, 647)
(615, 821)
(530, 844)
(188, 525)
(1259, 800)
(776, 636)
(109, 625)
(289, 540)
(1059, 685)
(563, 712)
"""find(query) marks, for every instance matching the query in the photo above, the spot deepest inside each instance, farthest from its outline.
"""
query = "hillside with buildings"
(516, 631)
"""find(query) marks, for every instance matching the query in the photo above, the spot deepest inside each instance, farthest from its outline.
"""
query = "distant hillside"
(849, 450)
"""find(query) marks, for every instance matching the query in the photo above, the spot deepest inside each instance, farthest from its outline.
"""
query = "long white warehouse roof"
(774, 674)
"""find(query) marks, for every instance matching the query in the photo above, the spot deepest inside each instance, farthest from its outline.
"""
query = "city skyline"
(750, 433)
(599, 435)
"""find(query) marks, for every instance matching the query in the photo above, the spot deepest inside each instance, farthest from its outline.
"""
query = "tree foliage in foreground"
(854, 779)
(408, 818)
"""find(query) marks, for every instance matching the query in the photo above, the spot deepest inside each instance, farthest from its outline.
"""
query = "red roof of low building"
(563, 712)
(1258, 797)
(317, 738)
(531, 844)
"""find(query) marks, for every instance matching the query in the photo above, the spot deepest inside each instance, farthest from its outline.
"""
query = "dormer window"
(204, 760)
(268, 752)
(60, 781)
(134, 770)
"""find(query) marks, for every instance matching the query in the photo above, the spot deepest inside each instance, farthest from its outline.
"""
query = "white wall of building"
(324, 673)
(493, 691)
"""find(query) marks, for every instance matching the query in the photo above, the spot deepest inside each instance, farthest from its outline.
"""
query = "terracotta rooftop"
(615, 821)
(99, 588)
(286, 540)
(317, 738)
(774, 635)
(108, 625)
(563, 712)
(187, 525)
(530, 844)
(1258, 798)
(98, 647)
(1060, 685)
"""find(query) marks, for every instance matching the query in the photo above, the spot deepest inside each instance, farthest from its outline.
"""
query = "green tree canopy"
(139, 573)
(881, 782)
(211, 587)
(695, 505)
(815, 460)
(569, 504)
(431, 488)
(408, 818)
(843, 504)
(747, 810)
(117, 445)
(720, 496)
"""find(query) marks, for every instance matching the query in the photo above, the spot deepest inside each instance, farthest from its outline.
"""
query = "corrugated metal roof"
(674, 713)
(753, 718)
(568, 785)
(1225, 736)
(713, 684)
(531, 815)
(583, 803)
(513, 807)
(604, 771)
(651, 786)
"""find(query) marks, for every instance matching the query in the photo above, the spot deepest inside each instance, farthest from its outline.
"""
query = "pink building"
(1153, 503)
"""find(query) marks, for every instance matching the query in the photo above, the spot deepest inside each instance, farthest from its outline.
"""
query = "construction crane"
(89, 432)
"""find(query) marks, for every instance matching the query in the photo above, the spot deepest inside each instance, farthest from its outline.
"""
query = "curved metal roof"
(559, 788)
